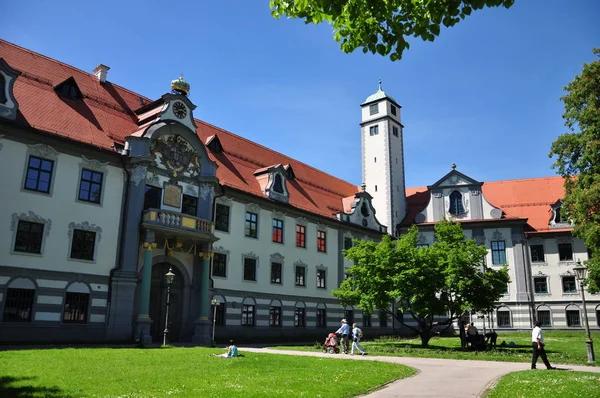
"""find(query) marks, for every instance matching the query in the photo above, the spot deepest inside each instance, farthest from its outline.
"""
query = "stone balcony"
(172, 224)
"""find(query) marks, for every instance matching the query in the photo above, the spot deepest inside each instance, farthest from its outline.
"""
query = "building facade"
(105, 191)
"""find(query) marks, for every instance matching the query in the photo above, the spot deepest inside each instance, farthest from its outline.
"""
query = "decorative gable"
(69, 89)
(8, 104)
(359, 210)
(455, 178)
(273, 182)
(559, 217)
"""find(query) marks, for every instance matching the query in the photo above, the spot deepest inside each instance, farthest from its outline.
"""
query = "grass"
(185, 372)
(566, 347)
(546, 384)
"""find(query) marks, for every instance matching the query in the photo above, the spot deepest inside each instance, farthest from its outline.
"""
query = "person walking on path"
(344, 331)
(356, 335)
(537, 341)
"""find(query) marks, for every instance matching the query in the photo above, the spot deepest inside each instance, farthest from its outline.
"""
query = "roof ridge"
(525, 179)
(273, 151)
(68, 66)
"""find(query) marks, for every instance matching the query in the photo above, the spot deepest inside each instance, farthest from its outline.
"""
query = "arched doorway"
(158, 302)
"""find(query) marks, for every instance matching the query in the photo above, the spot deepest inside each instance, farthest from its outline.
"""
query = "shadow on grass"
(9, 389)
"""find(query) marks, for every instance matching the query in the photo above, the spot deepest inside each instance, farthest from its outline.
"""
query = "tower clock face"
(179, 110)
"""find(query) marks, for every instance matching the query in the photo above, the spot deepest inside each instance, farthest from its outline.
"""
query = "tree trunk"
(463, 337)
(425, 337)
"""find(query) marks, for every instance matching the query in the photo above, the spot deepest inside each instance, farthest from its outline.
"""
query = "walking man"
(356, 335)
(344, 331)
(537, 341)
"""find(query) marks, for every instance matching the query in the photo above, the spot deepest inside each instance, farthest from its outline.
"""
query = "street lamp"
(215, 303)
(580, 273)
(169, 276)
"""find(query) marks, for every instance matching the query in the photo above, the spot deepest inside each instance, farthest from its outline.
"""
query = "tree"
(578, 161)
(382, 26)
(435, 285)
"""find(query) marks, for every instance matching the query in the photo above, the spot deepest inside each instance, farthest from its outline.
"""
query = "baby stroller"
(332, 344)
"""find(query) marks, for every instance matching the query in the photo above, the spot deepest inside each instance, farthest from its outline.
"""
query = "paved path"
(449, 378)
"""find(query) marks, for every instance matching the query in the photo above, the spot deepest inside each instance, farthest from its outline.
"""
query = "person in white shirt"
(356, 340)
(537, 341)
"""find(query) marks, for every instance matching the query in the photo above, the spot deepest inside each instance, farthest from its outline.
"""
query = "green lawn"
(184, 372)
(547, 384)
(562, 347)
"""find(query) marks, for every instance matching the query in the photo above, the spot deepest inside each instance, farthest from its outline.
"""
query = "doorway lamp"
(169, 276)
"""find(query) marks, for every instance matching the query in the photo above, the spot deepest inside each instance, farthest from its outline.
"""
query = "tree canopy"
(446, 279)
(382, 26)
(578, 161)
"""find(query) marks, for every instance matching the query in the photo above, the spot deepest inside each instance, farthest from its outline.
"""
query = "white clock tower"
(383, 158)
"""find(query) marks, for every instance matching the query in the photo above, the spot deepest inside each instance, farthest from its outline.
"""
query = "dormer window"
(456, 204)
(9, 106)
(278, 184)
(68, 89)
(560, 215)
(373, 109)
(364, 210)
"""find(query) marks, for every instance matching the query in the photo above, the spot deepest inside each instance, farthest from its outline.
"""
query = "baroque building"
(105, 191)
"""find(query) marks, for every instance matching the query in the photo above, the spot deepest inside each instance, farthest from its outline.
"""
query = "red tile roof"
(105, 116)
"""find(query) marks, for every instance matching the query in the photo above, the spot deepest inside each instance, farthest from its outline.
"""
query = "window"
(374, 130)
(375, 188)
(456, 204)
(321, 275)
(82, 245)
(498, 252)
(395, 131)
(276, 273)
(561, 215)
(152, 197)
(3, 98)
(544, 317)
(347, 243)
(278, 184)
(90, 186)
(247, 315)
(189, 204)
(219, 265)
(573, 318)
(565, 252)
(220, 314)
(321, 317)
(420, 245)
(321, 241)
(300, 274)
(29, 237)
(569, 285)
(300, 236)
(393, 109)
(299, 317)
(39, 174)
(367, 320)
(275, 316)
(537, 253)
(19, 305)
(76, 307)
(503, 318)
(349, 315)
(222, 218)
(277, 231)
(541, 284)
(249, 269)
(598, 317)
(364, 209)
(373, 109)
(251, 229)
(383, 319)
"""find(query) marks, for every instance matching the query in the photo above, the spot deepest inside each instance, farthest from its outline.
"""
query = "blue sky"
(484, 95)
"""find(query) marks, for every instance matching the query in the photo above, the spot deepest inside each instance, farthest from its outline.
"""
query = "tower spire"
(379, 84)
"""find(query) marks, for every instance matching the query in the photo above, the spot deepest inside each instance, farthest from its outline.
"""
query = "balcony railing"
(177, 221)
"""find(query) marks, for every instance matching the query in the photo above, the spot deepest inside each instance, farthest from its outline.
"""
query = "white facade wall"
(62, 207)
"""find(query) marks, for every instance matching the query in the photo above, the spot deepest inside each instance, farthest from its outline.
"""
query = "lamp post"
(581, 273)
(169, 276)
(215, 303)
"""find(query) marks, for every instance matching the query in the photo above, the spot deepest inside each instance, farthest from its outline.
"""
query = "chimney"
(101, 71)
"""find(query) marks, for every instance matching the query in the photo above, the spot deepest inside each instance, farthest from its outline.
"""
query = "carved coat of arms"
(176, 154)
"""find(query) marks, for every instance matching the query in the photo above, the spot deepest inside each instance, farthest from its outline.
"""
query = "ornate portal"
(172, 196)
